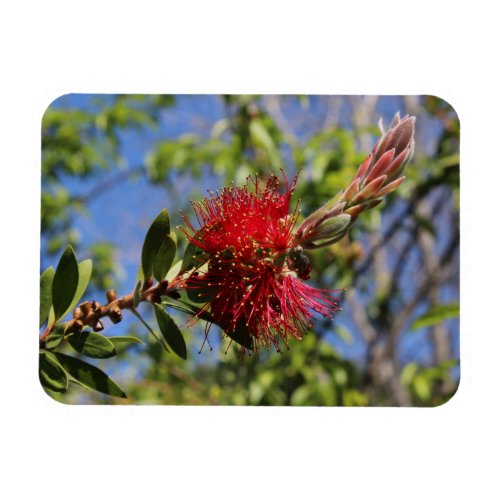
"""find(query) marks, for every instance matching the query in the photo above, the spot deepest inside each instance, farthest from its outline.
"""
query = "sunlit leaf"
(92, 344)
(344, 334)
(174, 271)
(408, 373)
(422, 387)
(51, 374)
(170, 332)
(88, 375)
(122, 343)
(300, 396)
(55, 337)
(436, 315)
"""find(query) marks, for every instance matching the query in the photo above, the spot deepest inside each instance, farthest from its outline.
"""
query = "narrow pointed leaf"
(436, 315)
(92, 344)
(174, 271)
(164, 258)
(84, 273)
(122, 343)
(158, 231)
(186, 307)
(51, 374)
(55, 337)
(170, 332)
(88, 375)
(46, 293)
(65, 283)
(52, 316)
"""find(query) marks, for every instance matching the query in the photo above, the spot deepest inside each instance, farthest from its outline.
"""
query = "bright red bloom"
(254, 281)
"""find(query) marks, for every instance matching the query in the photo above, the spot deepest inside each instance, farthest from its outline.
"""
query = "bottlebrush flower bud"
(378, 175)
(369, 190)
(380, 172)
(391, 153)
(331, 208)
(327, 232)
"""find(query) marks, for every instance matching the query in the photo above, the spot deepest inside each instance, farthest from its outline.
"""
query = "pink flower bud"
(391, 152)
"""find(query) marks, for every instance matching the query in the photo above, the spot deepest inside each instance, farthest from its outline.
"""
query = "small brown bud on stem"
(96, 306)
(78, 325)
(85, 307)
(115, 314)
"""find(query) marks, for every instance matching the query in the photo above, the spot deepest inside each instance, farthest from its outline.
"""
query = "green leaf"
(65, 283)
(122, 343)
(408, 373)
(344, 334)
(193, 257)
(170, 332)
(164, 258)
(188, 308)
(137, 294)
(92, 344)
(174, 271)
(262, 137)
(55, 337)
(46, 294)
(436, 315)
(88, 375)
(52, 376)
(422, 387)
(84, 273)
(158, 231)
(52, 316)
(241, 336)
(159, 339)
(300, 396)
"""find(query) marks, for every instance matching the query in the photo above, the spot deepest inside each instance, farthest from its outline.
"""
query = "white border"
(51, 48)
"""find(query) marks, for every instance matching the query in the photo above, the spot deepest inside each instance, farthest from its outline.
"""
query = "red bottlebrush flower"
(251, 269)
